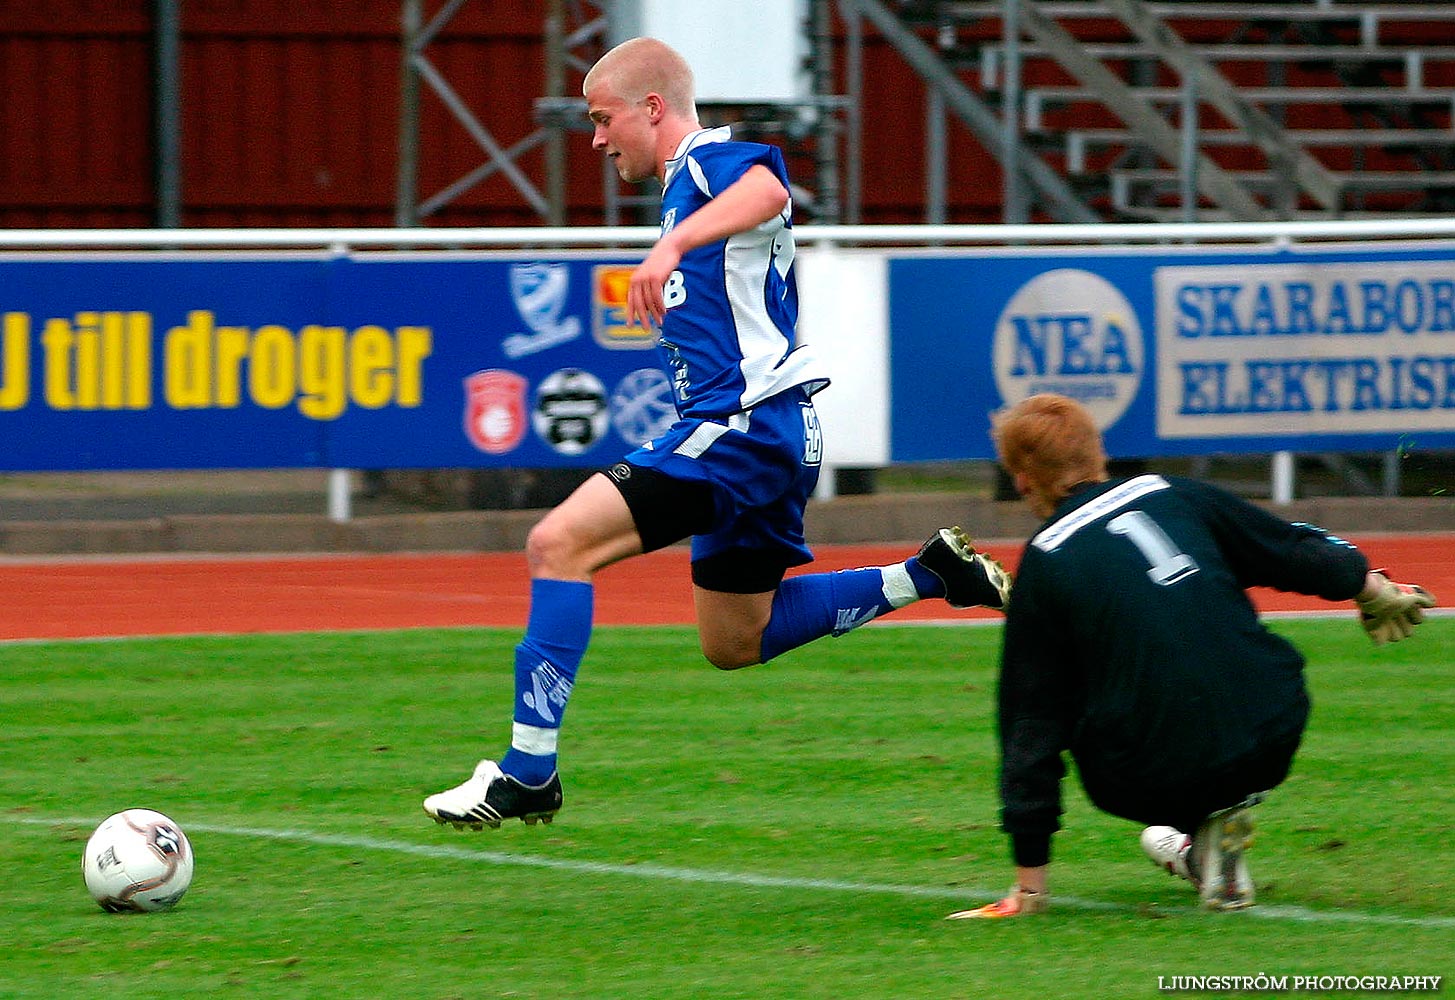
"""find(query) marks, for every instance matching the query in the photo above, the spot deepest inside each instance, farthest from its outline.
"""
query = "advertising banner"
(1179, 351)
(293, 361)
(382, 360)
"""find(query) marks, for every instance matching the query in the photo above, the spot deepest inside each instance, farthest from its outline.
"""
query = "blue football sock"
(546, 661)
(818, 604)
(926, 583)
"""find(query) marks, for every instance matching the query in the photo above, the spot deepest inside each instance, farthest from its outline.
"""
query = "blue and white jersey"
(728, 336)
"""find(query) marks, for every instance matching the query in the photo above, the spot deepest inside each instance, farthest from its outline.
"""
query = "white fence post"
(1283, 484)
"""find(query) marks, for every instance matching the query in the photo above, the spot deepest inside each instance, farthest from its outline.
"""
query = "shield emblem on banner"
(539, 292)
(495, 420)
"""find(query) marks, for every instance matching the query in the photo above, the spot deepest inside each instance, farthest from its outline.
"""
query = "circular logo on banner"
(642, 406)
(570, 413)
(495, 410)
(1074, 333)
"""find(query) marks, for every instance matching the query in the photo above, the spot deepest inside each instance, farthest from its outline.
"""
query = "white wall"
(844, 313)
(740, 51)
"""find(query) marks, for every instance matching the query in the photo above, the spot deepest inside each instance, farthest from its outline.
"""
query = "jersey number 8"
(674, 292)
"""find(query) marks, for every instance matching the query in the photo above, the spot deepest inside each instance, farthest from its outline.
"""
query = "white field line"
(669, 873)
(1344, 614)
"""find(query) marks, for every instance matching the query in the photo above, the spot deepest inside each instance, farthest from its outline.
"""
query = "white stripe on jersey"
(707, 432)
(1051, 537)
(698, 177)
(762, 345)
(723, 133)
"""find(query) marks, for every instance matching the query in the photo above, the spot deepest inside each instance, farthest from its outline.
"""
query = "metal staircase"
(1104, 110)
(1238, 111)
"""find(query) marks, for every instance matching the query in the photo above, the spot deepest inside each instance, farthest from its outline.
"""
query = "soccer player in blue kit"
(733, 473)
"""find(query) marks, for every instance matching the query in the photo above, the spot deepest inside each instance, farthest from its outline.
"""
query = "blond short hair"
(641, 66)
(1052, 440)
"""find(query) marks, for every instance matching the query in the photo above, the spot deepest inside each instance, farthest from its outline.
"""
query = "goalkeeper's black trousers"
(1185, 800)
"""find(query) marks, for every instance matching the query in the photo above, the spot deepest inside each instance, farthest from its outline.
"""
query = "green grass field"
(798, 830)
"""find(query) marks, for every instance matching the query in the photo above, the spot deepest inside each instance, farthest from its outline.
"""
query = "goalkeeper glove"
(1394, 610)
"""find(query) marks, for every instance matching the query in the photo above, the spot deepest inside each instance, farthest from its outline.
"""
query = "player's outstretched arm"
(1389, 611)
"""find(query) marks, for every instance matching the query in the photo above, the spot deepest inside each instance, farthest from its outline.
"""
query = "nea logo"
(1074, 333)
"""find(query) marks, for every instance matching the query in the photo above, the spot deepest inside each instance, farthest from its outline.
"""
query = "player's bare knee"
(731, 655)
(547, 547)
(731, 662)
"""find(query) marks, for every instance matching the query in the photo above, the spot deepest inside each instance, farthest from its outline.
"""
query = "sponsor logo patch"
(539, 293)
(642, 407)
(609, 325)
(1072, 332)
(495, 420)
(570, 413)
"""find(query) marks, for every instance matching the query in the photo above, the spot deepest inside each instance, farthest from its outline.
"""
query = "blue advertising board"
(1179, 352)
(144, 361)
(294, 361)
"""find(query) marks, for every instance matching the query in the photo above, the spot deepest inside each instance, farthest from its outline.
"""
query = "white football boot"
(488, 796)
(1168, 848)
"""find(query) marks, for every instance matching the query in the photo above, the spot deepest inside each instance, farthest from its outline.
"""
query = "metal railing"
(526, 237)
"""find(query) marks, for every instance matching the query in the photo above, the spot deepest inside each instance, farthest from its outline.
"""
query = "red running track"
(59, 598)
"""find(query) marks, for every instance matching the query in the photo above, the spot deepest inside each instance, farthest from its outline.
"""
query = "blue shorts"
(761, 466)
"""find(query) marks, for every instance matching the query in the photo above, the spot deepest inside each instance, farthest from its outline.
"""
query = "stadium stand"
(1304, 108)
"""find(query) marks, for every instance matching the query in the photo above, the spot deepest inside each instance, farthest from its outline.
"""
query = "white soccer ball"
(137, 860)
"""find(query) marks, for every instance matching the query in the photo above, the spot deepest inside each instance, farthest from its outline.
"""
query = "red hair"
(1052, 441)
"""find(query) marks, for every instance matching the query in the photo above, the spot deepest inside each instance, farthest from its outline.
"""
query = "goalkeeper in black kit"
(1130, 642)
